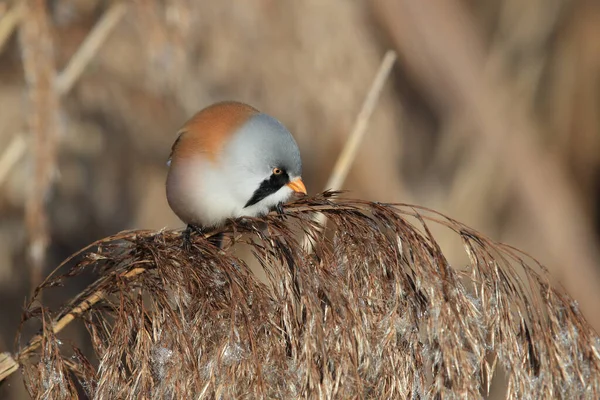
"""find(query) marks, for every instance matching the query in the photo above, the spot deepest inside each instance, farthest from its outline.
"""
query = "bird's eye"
(277, 171)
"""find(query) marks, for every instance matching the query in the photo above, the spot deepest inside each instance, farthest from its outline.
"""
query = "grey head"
(266, 157)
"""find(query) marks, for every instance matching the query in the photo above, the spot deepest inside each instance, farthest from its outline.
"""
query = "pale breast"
(198, 193)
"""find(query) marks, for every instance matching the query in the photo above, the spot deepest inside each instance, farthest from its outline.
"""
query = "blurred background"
(491, 116)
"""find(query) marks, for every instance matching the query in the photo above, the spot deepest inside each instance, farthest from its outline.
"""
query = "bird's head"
(236, 155)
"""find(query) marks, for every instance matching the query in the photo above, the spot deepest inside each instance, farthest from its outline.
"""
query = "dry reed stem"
(45, 88)
(68, 77)
(82, 307)
(12, 154)
(9, 22)
(357, 134)
(38, 63)
(450, 62)
(346, 158)
(367, 314)
(7, 365)
(89, 48)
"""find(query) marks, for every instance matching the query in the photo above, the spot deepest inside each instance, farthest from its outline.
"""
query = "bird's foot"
(279, 208)
(187, 233)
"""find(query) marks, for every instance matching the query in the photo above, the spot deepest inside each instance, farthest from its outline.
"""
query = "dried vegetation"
(373, 310)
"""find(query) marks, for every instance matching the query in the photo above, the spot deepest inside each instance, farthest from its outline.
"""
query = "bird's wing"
(179, 135)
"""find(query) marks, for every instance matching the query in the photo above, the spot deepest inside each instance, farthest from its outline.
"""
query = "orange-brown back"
(209, 129)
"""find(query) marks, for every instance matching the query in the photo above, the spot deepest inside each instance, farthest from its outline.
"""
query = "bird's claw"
(279, 208)
(187, 235)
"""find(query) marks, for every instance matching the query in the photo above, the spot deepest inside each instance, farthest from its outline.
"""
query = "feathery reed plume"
(375, 311)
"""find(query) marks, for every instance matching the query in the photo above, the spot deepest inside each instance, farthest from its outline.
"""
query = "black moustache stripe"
(268, 187)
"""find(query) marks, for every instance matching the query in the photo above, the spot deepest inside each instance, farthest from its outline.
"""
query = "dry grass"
(376, 311)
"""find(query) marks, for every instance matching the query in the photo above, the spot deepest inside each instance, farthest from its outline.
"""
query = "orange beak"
(297, 186)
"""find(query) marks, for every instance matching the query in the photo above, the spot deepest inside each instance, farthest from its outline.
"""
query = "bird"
(231, 161)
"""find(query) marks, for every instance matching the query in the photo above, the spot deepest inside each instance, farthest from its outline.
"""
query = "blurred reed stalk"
(37, 52)
(45, 87)
(350, 150)
(9, 21)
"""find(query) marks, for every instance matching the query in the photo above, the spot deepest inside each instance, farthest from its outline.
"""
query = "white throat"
(217, 194)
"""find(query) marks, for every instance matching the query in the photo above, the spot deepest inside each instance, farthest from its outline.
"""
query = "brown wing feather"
(208, 130)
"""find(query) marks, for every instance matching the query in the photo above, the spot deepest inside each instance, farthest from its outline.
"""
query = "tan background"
(492, 116)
